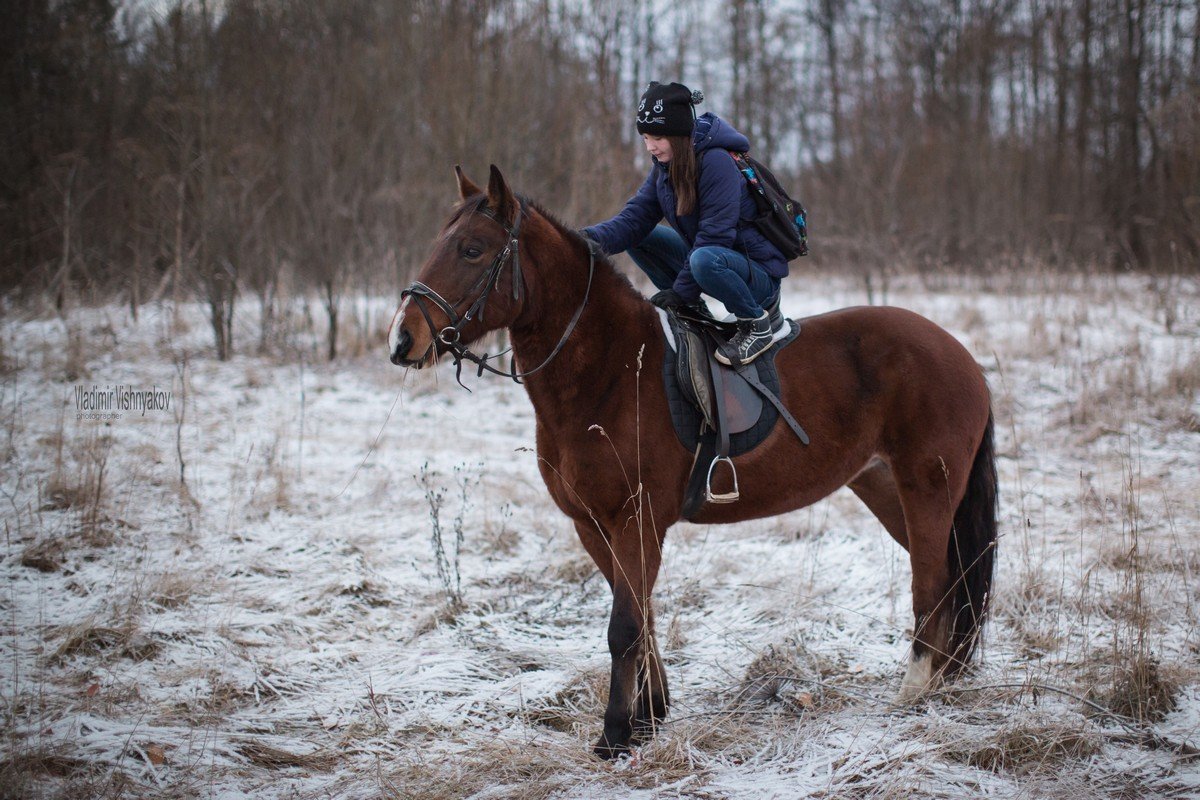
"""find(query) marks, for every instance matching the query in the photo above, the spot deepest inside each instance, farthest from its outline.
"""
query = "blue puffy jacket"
(724, 207)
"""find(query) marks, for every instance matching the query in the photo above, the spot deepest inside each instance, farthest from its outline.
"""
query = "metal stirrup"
(728, 497)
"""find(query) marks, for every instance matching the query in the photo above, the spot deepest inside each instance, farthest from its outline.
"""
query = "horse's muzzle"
(401, 348)
(400, 341)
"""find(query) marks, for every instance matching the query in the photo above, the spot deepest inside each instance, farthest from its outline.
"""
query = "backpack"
(780, 218)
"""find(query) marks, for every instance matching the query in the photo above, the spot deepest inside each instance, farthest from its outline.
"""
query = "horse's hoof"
(607, 751)
(645, 729)
(919, 680)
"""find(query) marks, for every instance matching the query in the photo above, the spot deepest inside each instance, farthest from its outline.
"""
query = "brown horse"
(896, 408)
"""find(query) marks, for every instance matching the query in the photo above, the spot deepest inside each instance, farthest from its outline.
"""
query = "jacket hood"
(712, 131)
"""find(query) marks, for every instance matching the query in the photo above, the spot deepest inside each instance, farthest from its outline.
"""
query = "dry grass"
(498, 536)
(1139, 690)
(1180, 393)
(171, 590)
(500, 770)
(1024, 748)
(572, 709)
(22, 772)
(1032, 607)
(273, 758)
(274, 638)
(91, 639)
(575, 570)
(786, 678)
(79, 483)
(44, 556)
(39, 763)
(209, 708)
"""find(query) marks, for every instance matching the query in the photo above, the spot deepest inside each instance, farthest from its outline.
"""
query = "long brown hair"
(682, 171)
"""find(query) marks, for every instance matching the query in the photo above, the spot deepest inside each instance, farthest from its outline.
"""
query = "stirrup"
(729, 497)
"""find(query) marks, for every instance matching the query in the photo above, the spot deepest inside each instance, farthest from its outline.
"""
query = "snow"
(289, 601)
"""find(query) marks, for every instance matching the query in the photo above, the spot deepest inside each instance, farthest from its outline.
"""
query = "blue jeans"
(739, 283)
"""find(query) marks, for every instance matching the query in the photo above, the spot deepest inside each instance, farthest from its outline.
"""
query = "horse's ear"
(499, 197)
(466, 186)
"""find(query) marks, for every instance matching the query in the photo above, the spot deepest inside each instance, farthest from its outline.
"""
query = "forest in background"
(251, 150)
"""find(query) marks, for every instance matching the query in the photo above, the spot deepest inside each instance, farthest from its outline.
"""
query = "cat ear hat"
(668, 109)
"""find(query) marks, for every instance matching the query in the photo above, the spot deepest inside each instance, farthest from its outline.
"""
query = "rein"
(451, 334)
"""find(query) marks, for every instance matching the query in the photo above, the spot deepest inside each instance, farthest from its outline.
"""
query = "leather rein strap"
(450, 335)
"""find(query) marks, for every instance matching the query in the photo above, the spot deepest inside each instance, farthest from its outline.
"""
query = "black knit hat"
(666, 109)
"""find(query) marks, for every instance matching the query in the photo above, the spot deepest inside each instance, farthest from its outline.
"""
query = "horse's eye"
(472, 252)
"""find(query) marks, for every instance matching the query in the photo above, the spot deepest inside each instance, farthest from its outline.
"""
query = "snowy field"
(361, 589)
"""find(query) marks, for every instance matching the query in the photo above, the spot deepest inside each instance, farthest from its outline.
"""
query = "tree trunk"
(331, 311)
(1127, 193)
(829, 36)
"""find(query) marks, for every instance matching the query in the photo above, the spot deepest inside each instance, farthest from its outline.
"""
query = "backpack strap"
(747, 172)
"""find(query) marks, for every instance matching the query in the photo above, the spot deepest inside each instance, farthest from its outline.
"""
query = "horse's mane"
(476, 202)
(571, 235)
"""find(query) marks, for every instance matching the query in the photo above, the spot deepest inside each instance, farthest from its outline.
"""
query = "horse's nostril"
(403, 345)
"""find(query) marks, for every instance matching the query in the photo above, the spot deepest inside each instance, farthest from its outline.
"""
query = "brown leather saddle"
(719, 411)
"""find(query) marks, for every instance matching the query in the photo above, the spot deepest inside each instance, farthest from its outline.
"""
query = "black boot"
(752, 339)
(776, 317)
(698, 311)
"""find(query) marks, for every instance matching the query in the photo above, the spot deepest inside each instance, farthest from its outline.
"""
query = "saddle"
(718, 411)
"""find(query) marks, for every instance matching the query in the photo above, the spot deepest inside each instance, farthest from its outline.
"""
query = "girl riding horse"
(710, 246)
(896, 408)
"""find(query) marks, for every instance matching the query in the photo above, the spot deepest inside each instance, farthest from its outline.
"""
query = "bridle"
(450, 335)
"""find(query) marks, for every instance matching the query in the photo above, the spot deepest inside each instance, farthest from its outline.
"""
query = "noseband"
(450, 335)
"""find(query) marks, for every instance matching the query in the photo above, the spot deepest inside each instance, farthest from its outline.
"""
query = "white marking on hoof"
(919, 678)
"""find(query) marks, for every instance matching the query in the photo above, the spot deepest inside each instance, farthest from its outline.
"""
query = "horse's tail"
(971, 554)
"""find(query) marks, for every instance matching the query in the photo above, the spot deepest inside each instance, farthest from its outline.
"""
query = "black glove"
(668, 298)
(592, 244)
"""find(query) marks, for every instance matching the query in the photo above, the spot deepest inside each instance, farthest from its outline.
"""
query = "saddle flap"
(741, 403)
(691, 369)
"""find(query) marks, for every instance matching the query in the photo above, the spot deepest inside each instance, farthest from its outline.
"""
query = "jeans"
(739, 283)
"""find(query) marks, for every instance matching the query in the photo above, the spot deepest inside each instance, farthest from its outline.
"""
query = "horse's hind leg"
(904, 512)
(876, 487)
(928, 517)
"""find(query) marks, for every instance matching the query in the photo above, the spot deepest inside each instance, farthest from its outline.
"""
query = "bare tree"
(192, 152)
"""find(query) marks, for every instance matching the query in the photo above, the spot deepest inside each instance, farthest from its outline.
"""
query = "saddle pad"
(687, 419)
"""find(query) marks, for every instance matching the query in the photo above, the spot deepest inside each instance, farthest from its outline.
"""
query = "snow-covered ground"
(362, 589)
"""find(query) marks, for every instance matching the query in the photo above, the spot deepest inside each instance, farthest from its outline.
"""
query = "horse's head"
(470, 284)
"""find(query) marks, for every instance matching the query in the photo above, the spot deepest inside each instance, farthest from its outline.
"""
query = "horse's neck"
(600, 350)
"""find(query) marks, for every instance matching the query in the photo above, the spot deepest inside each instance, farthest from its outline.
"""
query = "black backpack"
(780, 218)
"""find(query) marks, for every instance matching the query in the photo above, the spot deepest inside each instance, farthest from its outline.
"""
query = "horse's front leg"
(636, 559)
(653, 697)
